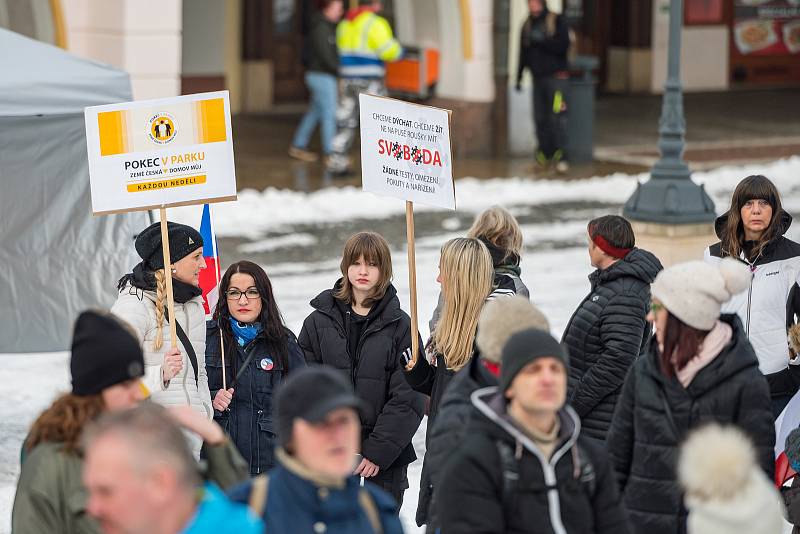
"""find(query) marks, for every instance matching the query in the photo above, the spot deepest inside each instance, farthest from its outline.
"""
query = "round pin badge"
(267, 364)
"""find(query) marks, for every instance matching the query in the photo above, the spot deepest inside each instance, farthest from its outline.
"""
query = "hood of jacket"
(386, 309)
(736, 357)
(784, 222)
(495, 422)
(471, 377)
(352, 14)
(638, 263)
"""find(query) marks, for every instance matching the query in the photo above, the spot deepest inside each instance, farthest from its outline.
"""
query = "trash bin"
(580, 118)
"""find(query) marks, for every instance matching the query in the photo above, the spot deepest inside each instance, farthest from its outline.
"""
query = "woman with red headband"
(608, 330)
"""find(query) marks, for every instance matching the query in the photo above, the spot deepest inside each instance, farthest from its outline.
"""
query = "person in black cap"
(174, 376)
(312, 488)
(107, 367)
(522, 466)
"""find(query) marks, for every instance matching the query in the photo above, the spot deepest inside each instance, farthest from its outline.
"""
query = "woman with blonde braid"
(466, 275)
(174, 376)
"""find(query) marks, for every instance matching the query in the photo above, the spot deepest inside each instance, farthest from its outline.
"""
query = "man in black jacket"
(544, 41)
(522, 467)
(499, 320)
(608, 330)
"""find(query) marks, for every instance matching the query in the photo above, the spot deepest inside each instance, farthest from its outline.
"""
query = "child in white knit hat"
(726, 492)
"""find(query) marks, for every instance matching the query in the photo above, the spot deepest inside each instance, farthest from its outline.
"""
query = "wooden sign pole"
(412, 281)
(168, 277)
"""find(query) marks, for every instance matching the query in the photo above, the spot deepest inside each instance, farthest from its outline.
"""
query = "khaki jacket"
(51, 497)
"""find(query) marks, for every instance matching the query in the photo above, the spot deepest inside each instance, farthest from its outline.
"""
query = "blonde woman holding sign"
(174, 376)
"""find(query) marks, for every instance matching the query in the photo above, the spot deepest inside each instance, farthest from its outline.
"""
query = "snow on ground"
(555, 266)
(273, 209)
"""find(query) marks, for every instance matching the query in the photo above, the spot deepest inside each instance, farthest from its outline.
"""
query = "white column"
(142, 37)
(705, 54)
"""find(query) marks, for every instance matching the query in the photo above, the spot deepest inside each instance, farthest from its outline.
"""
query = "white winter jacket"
(138, 308)
(772, 302)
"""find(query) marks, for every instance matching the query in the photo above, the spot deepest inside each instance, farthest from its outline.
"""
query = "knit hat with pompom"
(726, 492)
(695, 291)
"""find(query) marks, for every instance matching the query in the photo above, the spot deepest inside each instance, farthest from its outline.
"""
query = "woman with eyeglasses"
(259, 353)
(699, 368)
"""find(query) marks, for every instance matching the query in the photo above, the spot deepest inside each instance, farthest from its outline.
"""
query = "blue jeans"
(323, 110)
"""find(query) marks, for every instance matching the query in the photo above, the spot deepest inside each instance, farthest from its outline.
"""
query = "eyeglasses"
(235, 294)
(654, 307)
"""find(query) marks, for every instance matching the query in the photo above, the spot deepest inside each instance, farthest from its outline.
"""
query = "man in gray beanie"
(522, 467)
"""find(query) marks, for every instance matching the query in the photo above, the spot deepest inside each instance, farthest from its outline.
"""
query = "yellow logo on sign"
(162, 128)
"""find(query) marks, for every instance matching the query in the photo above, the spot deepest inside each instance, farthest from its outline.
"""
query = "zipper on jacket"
(749, 301)
(753, 268)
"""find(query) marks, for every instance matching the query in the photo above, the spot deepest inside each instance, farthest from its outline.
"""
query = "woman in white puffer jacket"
(172, 375)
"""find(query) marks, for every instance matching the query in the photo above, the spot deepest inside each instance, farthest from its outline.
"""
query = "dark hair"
(751, 188)
(614, 229)
(270, 319)
(375, 249)
(681, 342)
(323, 4)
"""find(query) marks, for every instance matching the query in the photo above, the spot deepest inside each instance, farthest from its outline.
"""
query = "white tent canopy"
(56, 259)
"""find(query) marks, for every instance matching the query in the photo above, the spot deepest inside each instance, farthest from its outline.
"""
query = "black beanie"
(311, 393)
(182, 241)
(524, 347)
(104, 353)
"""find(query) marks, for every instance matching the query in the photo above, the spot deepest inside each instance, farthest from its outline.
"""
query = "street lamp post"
(670, 196)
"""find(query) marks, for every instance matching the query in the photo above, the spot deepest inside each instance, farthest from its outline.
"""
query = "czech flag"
(209, 277)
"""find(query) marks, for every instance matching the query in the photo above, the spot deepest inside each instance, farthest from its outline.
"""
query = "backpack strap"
(187, 346)
(510, 467)
(258, 495)
(583, 470)
(368, 505)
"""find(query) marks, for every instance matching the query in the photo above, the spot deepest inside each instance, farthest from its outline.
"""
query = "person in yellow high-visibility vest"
(365, 42)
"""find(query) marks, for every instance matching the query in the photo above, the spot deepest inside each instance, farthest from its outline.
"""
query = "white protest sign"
(155, 153)
(405, 151)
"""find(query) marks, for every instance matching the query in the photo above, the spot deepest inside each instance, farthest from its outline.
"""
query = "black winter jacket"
(447, 433)
(430, 380)
(319, 51)
(572, 492)
(605, 335)
(375, 370)
(543, 45)
(248, 420)
(645, 435)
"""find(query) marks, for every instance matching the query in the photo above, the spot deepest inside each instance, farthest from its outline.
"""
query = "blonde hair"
(375, 249)
(467, 274)
(161, 295)
(498, 227)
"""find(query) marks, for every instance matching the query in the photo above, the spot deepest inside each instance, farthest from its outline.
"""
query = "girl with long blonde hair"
(497, 228)
(466, 275)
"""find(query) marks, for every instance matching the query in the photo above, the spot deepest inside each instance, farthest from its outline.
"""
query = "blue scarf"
(245, 332)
